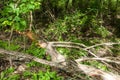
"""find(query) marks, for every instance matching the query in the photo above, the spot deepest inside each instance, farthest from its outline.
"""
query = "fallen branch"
(18, 55)
(98, 58)
(102, 44)
(88, 70)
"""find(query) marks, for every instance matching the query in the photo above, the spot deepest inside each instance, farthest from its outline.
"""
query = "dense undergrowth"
(90, 23)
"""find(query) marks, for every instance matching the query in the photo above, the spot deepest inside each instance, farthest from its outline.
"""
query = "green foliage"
(99, 29)
(42, 75)
(76, 25)
(34, 50)
(15, 13)
(7, 75)
(96, 64)
(72, 53)
(82, 21)
(38, 52)
(8, 46)
(102, 31)
(61, 3)
(67, 26)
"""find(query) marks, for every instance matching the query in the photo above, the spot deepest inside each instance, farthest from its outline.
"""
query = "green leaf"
(2, 75)
(23, 23)
(17, 26)
(24, 1)
(17, 18)
(17, 11)
(11, 69)
(31, 6)
(34, 76)
(7, 23)
(12, 5)
(23, 8)
(10, 17)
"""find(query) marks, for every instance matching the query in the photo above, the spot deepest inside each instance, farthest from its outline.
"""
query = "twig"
(68, 44)
(102, 44)
(10, 37)
(31, 21)
(90, 53)
(100, 59)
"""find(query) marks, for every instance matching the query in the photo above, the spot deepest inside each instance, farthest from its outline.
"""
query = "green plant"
(15, 13)
(42, 75)
(98, 29)
(48, 76)
(34, 50)
(38, 52)
(62, 28)
(7, 75)
(6, 45)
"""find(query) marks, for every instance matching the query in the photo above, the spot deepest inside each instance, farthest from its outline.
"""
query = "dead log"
(88, 70)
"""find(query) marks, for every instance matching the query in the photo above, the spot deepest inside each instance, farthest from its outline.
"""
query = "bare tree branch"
(19, 55)
(88, 70)
(102, 44)
(98, 58)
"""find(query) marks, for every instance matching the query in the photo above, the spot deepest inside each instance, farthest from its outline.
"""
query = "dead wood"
(88, 70)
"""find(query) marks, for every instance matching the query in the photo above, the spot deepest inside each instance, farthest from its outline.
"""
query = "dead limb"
(103, 44)
(88, 70)
(74, 45)
(79, 45)
(99, 59)
(18, 55)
